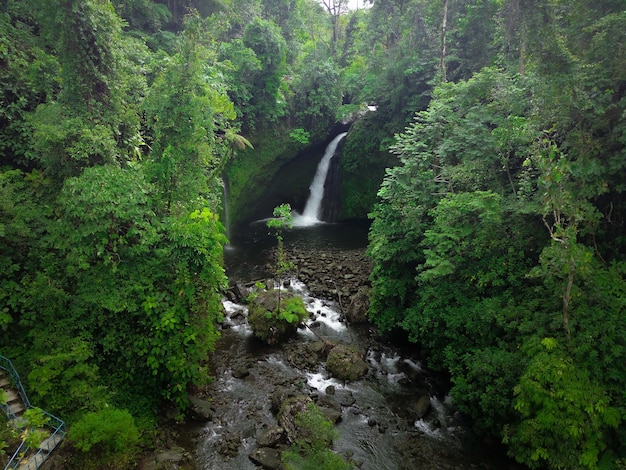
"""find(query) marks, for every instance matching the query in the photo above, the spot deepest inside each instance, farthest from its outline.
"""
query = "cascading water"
(379, 425)
(312, 209)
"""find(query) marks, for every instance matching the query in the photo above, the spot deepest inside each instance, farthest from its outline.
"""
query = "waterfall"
(313, 207)
(225, 197)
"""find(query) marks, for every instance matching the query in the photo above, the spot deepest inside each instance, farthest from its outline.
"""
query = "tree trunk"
(444, 26)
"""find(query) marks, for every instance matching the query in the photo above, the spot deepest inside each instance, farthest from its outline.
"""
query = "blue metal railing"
(56, 425)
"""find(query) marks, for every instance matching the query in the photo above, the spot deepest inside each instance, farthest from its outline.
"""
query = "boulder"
(291, 408)
(271, 437)
(266, 457)
(270, 325)
(175, 456)
(279, 396)
(331, 414)
(346, 363)
(421, 406)
(201, 409)
(359, 305)
(229, 444)
(241, 370)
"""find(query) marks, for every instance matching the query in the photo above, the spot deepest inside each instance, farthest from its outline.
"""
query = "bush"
(310, 451)
(273, 322)
(111, 433)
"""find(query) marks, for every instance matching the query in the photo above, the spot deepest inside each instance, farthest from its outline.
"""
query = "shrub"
(272, 322)
(310, 451)
(111, 433)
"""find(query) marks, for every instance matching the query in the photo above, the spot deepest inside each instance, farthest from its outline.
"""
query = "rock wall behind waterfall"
(362, 165)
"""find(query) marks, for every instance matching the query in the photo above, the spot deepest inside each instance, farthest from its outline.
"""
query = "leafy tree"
(497, 231)
(311, 451)
(264, 37)
(282, 220)
(28, 75)
(91, 122)
(187, 106)
(318, 93)
(159, 282)
(566, 414)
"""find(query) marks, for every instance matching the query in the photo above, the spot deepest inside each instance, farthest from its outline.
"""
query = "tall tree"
(90, 122)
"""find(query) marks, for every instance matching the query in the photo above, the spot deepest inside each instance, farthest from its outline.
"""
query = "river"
(382, 423)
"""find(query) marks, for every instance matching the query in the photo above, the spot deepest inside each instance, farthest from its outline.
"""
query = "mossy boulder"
(275, 316)
(359, 306)
(346, 363)
(305, 423)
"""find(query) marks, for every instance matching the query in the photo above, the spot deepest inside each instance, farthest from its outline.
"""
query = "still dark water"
(247, 254)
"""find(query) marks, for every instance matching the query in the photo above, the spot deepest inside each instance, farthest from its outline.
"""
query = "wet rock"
(346, 363)
(228, 445)
(421, 406)
(279, 396)
(171, 456)
(241, 371)
(347, 399)
(301, 355)
(266, 457)
(201, 410)
(329, 401)
(238, 316)
(271, 437)
(240, 292)
(331, 414)
(357, 310)
(264, 319)
(332, 274)
(330, 390)
(318, 348)
(290, 409)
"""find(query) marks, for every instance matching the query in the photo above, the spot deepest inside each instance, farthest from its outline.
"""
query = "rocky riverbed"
(390, 414)
(332, 274)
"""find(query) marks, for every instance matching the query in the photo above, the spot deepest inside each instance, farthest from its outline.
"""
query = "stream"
(397, 416)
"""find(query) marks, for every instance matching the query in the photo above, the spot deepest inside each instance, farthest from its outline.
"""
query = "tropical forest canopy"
(493, 170)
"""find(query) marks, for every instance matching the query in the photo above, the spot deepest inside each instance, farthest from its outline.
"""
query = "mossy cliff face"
(362, 166)
(250, 171)
(279, 169)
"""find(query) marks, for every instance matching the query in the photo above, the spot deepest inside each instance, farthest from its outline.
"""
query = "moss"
(346, 363)
(273, 321)
(362, 166)
(251, 170)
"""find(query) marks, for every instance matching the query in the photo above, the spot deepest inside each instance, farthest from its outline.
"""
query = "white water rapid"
(310, 215)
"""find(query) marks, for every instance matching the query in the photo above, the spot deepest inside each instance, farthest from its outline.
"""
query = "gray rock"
(333, 415)
(266, 457)
(241, 371)
(271, 437)
(421, 406)
(288, 412)
(201, 409)
(359, 305)
(346, 363)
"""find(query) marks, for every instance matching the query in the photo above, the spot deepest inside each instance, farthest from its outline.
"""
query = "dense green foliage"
(497, 243)
(497, 240)
(110, 434)
(112, 251)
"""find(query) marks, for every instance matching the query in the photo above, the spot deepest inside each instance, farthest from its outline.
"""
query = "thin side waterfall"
(313, 207)
(225, 194)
